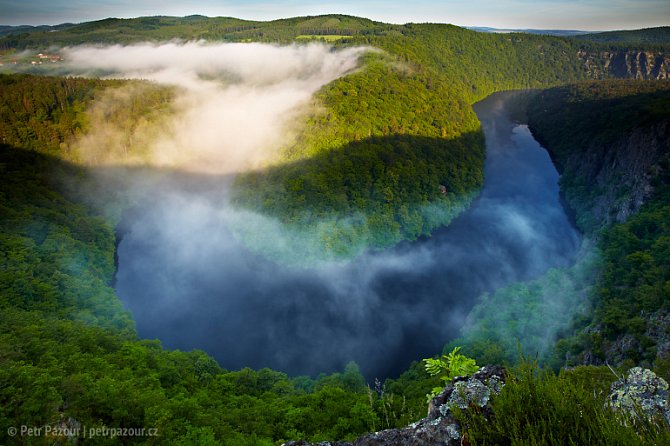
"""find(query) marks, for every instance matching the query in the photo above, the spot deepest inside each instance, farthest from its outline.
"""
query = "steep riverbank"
(611, 141)
(608, 141)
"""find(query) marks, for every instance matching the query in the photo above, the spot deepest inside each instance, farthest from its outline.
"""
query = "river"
(189, 283)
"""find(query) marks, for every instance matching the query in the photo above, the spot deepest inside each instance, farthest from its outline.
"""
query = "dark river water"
(189, 283)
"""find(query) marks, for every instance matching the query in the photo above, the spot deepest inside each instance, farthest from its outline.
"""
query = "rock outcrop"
(439, 427)
(608, 143)
(621, 172)
(626, 64)
(641, 394)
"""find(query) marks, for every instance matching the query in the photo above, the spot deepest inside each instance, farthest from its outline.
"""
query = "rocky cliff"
(609, 141)
(618, 174)
(626, 64)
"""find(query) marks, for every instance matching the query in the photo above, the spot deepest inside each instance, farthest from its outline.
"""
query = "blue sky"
(546, 14)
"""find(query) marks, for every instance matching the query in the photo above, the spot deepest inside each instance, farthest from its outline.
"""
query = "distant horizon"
(471, 27)
(588, 15)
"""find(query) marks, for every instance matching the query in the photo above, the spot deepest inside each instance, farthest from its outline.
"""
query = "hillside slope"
(659, 35)
(608, 143)
(611, 141)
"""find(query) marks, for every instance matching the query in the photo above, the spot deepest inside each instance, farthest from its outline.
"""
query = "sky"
(590, 15)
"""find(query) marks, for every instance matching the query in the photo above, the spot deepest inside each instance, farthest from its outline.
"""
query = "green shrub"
(539, 407)
(449, 367)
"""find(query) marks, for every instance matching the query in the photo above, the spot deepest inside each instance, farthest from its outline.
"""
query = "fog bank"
(190, 283)
(236, 105)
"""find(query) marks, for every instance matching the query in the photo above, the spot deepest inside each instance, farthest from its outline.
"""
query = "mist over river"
(191, 284)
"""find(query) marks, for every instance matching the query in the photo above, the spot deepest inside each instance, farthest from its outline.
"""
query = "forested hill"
(660, 35)
(420, 87)
(611, 141)
(447, 68)
(196, 27)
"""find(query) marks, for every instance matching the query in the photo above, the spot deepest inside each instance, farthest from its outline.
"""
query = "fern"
(449, 367)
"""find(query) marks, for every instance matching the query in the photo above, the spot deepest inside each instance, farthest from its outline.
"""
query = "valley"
(262, 242)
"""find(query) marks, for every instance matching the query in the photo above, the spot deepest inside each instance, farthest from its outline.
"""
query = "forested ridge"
(51, 115)
(438, 71)
(197, 27)
(70, 353)
(660, 35)
(619, 190)
(40, 114)
(421, 86)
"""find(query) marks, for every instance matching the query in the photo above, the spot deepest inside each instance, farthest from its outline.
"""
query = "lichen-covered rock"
(321, 443)
(469, 392)
(439, 427)
(640, 393)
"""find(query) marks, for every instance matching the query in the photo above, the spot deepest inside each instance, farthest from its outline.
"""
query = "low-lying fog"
(191, 284)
